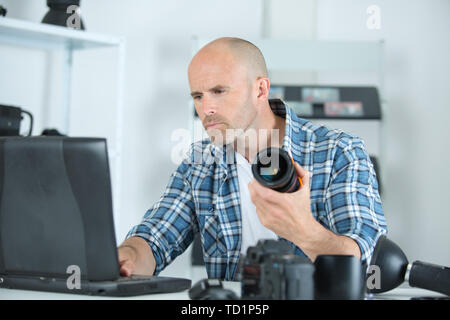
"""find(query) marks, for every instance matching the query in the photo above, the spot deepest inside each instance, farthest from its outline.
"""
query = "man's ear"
(263, 88)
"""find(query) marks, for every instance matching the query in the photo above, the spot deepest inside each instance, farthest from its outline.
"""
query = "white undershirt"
(252, 229)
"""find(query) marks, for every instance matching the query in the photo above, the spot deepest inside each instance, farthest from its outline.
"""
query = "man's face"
(222, 93)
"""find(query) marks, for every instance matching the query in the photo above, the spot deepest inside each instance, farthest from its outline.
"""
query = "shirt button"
(211, 209)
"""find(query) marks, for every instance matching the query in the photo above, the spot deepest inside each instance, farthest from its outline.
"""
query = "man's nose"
(208, 106)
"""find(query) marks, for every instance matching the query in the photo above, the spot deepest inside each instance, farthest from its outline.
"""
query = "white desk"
(402, 293)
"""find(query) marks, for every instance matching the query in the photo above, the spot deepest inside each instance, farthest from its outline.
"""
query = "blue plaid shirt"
(203, 196)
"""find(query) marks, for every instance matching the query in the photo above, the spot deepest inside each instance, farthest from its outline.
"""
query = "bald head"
(242, 53)
(229, 86)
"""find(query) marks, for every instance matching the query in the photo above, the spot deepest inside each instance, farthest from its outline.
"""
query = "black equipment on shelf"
(64, 13)
(3, 11)
(10, 118)
(330, 102)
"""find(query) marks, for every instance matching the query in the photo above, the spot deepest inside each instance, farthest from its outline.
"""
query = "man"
(336, 211)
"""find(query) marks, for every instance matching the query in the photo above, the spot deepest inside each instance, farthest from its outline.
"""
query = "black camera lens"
(273, 168)
(339, 277)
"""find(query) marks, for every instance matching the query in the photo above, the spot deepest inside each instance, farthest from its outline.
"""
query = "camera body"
(271, 271)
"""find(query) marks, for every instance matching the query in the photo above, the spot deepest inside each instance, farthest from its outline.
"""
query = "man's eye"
(219, 91)
(196, 97)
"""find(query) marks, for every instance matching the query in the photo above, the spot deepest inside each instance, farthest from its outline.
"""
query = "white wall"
(416, 147)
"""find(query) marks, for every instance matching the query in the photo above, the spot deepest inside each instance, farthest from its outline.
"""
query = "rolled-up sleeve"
(352, 200)
(170, 225)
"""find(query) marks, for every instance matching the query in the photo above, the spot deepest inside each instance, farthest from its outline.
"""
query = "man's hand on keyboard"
(136, 257)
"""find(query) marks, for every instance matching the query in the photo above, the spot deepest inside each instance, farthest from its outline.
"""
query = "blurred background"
(129, 84)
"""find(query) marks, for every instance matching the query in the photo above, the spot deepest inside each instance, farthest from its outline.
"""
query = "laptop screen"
(56, 208)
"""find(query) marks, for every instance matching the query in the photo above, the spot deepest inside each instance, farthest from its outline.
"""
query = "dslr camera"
(271, 271)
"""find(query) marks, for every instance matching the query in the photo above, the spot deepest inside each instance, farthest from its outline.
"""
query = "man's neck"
(267, 131)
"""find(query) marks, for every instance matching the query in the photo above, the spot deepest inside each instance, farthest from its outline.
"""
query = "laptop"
(56, 220)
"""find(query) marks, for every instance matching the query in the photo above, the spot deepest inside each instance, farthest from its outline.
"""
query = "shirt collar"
(280, 109)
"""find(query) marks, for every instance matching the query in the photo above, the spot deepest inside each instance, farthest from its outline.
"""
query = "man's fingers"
(126, 262)
(126, 268)
(303, 174)
(266, 194)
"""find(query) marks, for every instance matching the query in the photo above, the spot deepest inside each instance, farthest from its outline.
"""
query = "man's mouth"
(213, 125)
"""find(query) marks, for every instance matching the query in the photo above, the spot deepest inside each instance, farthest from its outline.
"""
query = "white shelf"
(49, 37)
(45, 36)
